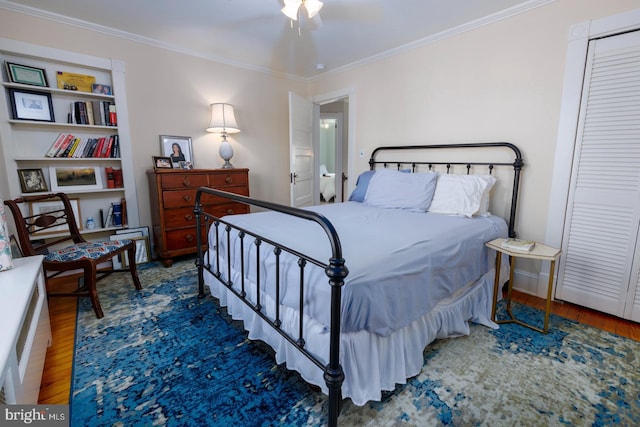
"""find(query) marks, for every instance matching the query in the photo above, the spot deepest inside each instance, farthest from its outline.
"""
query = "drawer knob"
(228, 179)
(186, 182)
(188, 217)
(187, 198)
(229, 211)
(189, 238)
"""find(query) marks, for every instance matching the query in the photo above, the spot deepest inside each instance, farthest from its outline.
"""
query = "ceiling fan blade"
(315, 23)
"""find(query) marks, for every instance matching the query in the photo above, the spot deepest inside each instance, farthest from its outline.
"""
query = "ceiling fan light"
(290, 9)
(313, 7)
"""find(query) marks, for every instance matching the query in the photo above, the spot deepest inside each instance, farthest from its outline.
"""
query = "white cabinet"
(26, 141)
(26, 332)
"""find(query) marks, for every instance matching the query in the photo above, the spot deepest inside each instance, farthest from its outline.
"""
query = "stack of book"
(94, 113)
(67, 145)
(518, 245)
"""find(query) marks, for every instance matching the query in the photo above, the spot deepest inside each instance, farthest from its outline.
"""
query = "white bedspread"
(386, 252)
(401, 264)
(328, 186)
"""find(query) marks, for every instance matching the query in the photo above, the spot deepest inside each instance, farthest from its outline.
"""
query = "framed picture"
(143, 250)
(177, 148)
(185, 165)
(32, 181)
(41, 208)
(162, 162)
(101, 89)
(77, 178)
(26, 75)
(31, 105)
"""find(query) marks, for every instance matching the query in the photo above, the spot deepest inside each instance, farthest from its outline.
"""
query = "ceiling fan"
(292, 8)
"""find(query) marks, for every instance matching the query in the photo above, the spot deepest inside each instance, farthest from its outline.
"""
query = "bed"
(327, 184)
(364, 286)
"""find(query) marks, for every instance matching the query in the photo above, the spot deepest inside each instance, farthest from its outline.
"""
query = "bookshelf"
(28, 131)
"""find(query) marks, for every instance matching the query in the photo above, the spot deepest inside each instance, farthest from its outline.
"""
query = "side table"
(540, 252)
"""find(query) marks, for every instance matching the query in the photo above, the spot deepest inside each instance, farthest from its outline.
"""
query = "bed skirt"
(372, 363)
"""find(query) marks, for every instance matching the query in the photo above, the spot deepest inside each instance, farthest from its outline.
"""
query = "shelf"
(26, 142)
(67, 159)
(83, 232)
(52, 90)
(102, 190)
(60, 125)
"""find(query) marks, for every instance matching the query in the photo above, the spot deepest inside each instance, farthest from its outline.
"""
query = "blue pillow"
(362, 184)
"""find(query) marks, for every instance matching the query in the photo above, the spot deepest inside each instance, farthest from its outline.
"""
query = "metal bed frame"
(335, 268)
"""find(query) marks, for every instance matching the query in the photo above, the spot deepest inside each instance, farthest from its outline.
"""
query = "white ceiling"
(255, 34)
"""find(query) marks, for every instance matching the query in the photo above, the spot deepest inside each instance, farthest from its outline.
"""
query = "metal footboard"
(335, 270)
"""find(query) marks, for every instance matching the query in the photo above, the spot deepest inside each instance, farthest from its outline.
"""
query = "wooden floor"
(56, 380)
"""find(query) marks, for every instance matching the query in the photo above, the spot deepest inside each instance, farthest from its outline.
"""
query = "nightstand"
(539, 251)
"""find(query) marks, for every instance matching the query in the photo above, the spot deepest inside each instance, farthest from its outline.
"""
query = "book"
(56, 145)
(113, 116)
(74, 81)
(108, 221)
(81, 113)
(67, 141)
(98, 113)
(90, 115)
(518, 245)
(110, 177)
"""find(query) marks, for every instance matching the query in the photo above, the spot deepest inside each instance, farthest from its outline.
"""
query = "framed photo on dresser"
(178, 148)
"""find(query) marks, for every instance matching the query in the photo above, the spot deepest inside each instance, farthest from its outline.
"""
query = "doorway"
(332, 149)
(330, 172)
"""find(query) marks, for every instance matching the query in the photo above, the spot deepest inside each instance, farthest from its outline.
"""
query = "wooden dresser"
(173, 193)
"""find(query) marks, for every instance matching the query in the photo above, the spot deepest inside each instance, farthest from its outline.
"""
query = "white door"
(301, 150)
(600, 263)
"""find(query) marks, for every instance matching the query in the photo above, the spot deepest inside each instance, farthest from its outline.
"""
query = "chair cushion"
(85, 250)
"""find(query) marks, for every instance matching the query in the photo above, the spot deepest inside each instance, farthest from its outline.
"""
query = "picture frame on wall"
(32, 181)
(31, 105)
(46, 206)
(76, 178)
(26, 75)
(177, 148)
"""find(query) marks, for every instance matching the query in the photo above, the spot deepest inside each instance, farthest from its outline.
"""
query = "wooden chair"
(69, 251)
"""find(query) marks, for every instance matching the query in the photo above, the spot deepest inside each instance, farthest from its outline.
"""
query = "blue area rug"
(164, 357)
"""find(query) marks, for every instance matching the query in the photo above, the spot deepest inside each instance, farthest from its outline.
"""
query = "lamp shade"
(223, 119)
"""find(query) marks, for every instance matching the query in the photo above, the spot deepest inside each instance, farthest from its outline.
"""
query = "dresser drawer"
(228, 178)
(184, 238)
(208, 199)
(179, 198)
(179, 180)
(184, 217)
(180, 217)
(227, 209)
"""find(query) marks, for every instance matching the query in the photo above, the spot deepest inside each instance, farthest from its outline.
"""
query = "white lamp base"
(226, 153)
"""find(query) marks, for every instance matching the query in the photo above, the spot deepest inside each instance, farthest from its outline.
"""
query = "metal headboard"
(517, 165)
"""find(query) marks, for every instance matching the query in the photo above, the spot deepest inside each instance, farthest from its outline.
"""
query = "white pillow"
(390, 188)
(486, 196)
(460, 194)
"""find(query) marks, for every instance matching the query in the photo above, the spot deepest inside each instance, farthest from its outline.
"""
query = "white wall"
(169, 93)
(498, 82)
(501, 82)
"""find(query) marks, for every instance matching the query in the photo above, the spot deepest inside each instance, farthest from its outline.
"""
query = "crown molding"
(460, 29)
(487, 20)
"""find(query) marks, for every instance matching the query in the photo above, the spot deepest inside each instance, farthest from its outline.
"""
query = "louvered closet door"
(599, 266)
